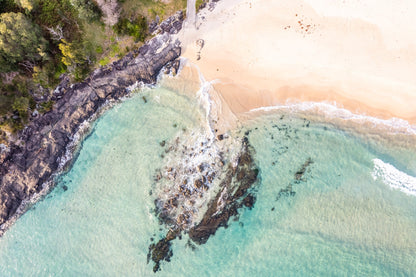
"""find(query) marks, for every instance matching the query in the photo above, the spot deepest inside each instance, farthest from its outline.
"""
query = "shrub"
(71, 53)
(136, 28)
(104, 61)
(21, 105)
(46, 106)
(99, 49)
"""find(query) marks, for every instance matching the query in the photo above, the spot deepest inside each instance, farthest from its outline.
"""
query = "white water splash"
(393, 177)
(206, 104)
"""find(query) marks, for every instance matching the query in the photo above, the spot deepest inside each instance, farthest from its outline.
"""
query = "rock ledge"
(26, 169)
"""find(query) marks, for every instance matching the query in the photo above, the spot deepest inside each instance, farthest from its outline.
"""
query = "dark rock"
(202, 167)
(203, 5)
(158, 252)
(172, 67)
(26, 167)
(143, 50)
(177, 25)
(198, 183)
(152, 27)
(175, 66)
(249, 201)
(172, 25)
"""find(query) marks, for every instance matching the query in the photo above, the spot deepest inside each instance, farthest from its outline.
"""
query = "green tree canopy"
(20, 40)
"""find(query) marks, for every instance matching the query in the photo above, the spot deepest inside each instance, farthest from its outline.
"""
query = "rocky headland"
(28, 166)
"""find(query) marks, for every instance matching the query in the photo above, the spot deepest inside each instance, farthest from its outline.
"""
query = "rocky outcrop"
(236, 190)
(44, 142)
(244, 174)
(172, 25)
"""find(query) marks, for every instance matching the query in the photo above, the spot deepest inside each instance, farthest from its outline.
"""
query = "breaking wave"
(395, 125)
(393, 177)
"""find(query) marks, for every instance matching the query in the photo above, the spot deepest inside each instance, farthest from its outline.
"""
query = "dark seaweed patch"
(286, 192)
(299, 174)
(298, 177)
(306, 123)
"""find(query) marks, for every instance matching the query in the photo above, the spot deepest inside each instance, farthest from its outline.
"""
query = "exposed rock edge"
(28, 168)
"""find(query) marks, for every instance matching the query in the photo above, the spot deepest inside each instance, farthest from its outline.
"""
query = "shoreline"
(224, 119)
(299, 54)
(48, 143)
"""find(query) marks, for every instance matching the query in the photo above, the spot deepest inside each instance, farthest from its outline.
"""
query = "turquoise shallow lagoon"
(345, 219)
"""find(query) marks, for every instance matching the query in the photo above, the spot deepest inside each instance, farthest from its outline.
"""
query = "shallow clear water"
(99, 219)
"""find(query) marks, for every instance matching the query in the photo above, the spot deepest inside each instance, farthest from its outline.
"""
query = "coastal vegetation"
(42, 42)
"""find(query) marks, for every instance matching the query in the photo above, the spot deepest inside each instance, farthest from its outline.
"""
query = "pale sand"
(359, 55)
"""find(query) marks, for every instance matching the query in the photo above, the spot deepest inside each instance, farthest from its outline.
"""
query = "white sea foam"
(136, 86)
(393, 177)
(395, 125)
(205, 102)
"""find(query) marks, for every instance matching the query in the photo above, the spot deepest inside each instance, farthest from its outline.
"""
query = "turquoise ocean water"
(353, 212)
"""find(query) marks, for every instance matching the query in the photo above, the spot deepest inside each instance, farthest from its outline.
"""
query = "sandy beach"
(360, 56)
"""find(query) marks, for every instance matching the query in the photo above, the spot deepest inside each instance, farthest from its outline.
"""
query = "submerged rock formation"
(44, 142)
(230, 184)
